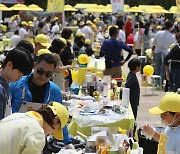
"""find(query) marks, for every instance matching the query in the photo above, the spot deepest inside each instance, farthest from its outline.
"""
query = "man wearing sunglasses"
(31, 91)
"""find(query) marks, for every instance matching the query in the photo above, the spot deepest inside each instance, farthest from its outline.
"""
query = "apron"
(163, 141)
(28, 106)
(162, 144)
(8, 110)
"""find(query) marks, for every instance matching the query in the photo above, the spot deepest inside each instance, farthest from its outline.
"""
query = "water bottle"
(88, 79)
(100, 86)
(125, 97)
(105, 89)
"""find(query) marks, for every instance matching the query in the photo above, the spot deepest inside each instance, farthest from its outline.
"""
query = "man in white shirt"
(46, 27)
(162, 41)
(13, 25)
(35, 22)
(22, 30)
(15, 39)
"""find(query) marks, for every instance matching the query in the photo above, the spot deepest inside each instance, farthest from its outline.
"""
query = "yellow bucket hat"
(42, 39)
(170, 102)
(61, 111)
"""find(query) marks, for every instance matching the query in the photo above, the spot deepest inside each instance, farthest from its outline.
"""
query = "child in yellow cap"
(25, 132)
(169, 110)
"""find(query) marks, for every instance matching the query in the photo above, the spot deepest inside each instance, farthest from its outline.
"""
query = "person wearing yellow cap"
(34, 90)
(22, 30)
(31, 30)
(78, 43)
(87, 30)
(88, 47)
(26, 132)
(41, 42)
(169, 110)
(81, 25)
(35, 23)
(13, 25)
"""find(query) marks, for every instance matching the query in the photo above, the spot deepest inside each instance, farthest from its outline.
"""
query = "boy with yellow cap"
(169, 110)
(41, 42)
(25, 132)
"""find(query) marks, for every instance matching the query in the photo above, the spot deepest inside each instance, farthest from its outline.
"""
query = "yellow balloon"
(148, 70)
(83, 59)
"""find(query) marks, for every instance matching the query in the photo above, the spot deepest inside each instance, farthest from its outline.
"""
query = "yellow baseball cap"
(43, 51)
(56, 18)
(34, 18)
(24, 23)
(42, 39)
(129, 17)
(87, 41)
(30, 23)
(79, 34)
(81, 23)
(170, 102)
(159, 27)
(61, 111)
(88, 22)
(63, 40)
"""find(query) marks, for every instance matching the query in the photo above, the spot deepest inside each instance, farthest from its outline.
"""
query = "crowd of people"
(42, 50)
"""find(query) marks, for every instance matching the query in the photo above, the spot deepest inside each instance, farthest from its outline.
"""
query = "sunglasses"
(48, 74)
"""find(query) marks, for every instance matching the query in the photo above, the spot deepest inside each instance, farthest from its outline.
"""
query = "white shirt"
(55, 29)
(13, 25)
(122, 36)
(21, 134)
(15, 39)
(88, 32)
(36, 23)
(23, 33)
(46, 29)
(163, 40)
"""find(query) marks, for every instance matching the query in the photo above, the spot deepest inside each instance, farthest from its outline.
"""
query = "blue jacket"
(52, 93)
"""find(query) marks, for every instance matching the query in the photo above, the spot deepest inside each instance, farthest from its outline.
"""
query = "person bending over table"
(24, 133)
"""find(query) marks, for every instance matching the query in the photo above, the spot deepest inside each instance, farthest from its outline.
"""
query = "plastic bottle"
(94, 78)
(100, 86)
(105, 100)
(88, 79)
(125, 97)
(105, 89)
